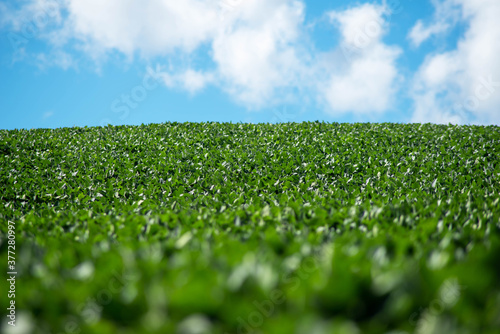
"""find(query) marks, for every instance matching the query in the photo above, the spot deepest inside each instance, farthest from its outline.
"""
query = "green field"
(303, 228)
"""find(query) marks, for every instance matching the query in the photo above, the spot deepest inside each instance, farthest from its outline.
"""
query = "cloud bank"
(259, 52)
(257, 48)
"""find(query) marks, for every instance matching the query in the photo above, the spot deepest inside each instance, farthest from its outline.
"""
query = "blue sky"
(94, 62)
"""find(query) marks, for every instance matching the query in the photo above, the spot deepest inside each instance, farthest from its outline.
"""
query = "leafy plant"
(242, 228)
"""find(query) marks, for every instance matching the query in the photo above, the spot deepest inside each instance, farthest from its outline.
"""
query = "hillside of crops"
(302, 228)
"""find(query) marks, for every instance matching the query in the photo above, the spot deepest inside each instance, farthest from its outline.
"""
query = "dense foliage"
(242, 228)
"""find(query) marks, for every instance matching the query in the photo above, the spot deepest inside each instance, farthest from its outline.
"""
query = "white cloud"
(463, 85)
(369, 81)
(447, 13)
(189, 80)
(149, 27)
(362, 25)
(260, 53)
(420, 33)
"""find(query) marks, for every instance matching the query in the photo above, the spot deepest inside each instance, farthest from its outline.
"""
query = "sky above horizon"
(70, 63)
